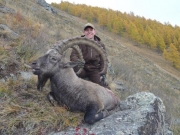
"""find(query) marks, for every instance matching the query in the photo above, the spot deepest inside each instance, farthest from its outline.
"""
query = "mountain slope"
(137, 68)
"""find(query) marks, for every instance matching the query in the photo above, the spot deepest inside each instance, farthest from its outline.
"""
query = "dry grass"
(24, 110)
(137, 78)
(141, 69)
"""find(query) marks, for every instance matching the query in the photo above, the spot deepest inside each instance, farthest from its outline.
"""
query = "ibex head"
(53, 61)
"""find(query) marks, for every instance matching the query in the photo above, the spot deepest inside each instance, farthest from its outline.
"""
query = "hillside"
(136, 67)
(162, 38)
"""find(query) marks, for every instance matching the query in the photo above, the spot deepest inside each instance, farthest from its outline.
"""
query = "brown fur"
(77, 94)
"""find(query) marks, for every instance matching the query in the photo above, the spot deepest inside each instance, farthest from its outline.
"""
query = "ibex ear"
(69, 64)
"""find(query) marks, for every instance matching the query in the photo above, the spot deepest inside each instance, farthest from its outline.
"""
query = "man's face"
(89, 32)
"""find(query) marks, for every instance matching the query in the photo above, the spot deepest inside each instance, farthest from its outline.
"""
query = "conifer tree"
(172, 55)
(160, 43)
(102, 20)
(145, 37)
(152, 42)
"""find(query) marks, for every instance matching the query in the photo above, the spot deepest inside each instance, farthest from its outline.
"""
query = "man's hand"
(80, 63)
(103, 80)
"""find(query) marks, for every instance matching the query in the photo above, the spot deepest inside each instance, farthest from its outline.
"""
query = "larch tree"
(160, 43)
(145, 37)
(102, 20)
(152, 42)
(117, 26)
(172, 55)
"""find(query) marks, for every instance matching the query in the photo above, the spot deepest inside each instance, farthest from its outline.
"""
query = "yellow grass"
(24, 110)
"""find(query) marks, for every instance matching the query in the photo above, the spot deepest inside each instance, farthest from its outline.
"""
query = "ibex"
(67, 88)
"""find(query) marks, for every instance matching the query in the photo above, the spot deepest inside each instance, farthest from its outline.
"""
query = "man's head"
(89, 31)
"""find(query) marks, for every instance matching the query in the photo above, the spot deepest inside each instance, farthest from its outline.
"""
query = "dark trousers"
(93, 76)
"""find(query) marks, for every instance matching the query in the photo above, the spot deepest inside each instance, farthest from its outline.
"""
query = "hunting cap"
(89, 25)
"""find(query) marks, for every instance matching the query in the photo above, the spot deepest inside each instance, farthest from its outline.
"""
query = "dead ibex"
(77, 94)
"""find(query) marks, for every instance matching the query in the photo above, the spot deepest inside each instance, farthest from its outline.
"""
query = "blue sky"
(160, 10)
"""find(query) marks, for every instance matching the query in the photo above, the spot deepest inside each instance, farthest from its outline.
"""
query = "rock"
(26, 75)
(2, 80)
(7, 33)
(46, 6)
(9, 68)
(118, 82)
(13, 77)
(5, 10)
(119, 85)
(110, 69)
(141, 114)
(177, 121)
(147, 71)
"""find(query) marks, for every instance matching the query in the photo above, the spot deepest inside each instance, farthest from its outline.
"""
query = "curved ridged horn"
(80, 56)
(63, 45)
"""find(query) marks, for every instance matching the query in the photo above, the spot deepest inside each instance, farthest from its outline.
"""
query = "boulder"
(6, 32)
(5, 10)
(44, 4)
(141, 114)
(26, 75)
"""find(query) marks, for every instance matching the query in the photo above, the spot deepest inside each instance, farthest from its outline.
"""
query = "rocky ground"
(141, 114)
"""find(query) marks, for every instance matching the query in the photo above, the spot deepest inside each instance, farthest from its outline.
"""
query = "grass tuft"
(27, 111)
